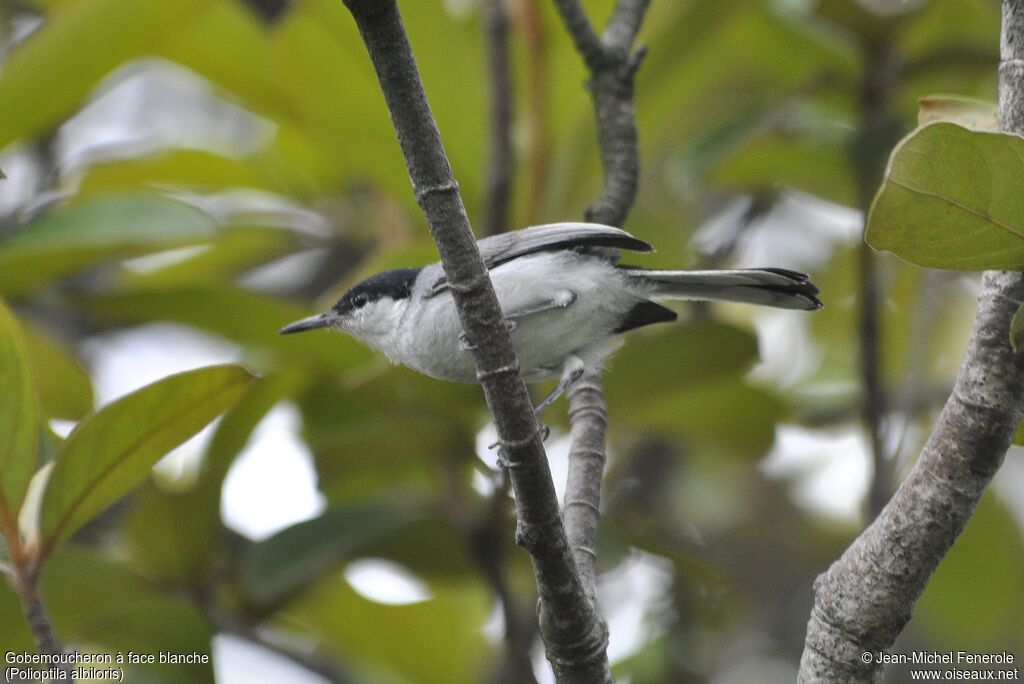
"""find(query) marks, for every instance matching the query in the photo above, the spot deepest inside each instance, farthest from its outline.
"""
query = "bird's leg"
(572, 371)
(562, 299)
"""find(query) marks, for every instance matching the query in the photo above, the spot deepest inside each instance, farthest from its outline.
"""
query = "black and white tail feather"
(775, 287)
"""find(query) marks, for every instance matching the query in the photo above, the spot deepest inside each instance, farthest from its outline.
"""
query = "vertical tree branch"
(500, 160)
(572, 630)
(582, 506)
(866, 598)
(877, 133)
(612, 70)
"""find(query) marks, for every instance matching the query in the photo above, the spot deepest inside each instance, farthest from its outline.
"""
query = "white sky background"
(273, 483)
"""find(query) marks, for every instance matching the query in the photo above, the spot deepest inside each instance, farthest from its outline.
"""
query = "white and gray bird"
(564, 297)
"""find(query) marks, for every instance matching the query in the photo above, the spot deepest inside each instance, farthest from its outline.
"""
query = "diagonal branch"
(866, 598)
(582, 31)
(567, 616)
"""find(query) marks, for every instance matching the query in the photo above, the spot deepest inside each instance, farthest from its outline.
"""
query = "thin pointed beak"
(318, 321)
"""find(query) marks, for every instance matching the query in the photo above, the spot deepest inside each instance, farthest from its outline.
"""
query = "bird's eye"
(359, 301)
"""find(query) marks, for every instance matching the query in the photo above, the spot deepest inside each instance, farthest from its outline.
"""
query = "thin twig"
(866, 598)
(500, 157)
(567, 616)
(39, 621)
(588, 44)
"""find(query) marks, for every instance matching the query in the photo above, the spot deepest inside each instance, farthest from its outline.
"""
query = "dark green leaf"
(295, 556)
(952, 198)
(112, 451)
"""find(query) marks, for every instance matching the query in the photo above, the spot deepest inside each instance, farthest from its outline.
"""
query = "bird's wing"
(500, 249)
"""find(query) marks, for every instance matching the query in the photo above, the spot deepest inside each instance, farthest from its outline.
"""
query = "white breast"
(429, 341)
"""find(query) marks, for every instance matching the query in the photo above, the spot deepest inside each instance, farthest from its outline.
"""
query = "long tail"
(765, 286)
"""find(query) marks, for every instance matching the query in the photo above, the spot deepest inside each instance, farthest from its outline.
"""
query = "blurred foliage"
(277, 183)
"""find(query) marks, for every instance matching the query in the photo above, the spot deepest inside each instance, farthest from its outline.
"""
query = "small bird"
(565, 298)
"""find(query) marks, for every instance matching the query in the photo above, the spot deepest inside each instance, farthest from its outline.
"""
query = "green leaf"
(112, 451)
(68, 239)
(48, 77)
(978, 115)
(292, 558)
(18, 423)
(172, 535)
(65, 389)
(952, 198)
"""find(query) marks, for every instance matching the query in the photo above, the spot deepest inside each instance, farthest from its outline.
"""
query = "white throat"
(377, 325)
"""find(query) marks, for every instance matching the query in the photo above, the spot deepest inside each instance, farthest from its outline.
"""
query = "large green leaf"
(68, 239)
(112, 451)
(172, 535)
(18, 422)
(50, 75)
(953, 198)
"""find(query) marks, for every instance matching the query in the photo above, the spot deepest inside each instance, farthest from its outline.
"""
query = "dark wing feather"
(501, 249)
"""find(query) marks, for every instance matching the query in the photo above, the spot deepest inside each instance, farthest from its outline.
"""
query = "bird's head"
(370, 311)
